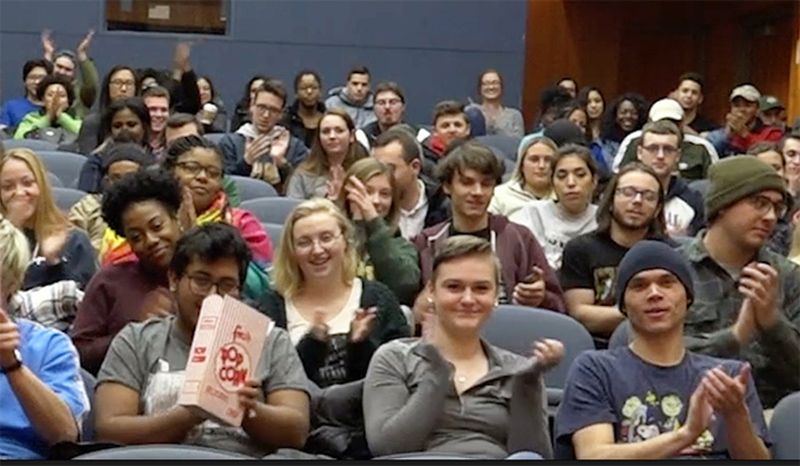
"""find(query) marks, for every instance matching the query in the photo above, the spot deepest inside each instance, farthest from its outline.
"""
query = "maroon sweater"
(515, 246)
(113, 299)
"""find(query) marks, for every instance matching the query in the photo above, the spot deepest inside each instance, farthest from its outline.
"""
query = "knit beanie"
(651, 255)
(125, 151)
(563, 131)
(735, 178)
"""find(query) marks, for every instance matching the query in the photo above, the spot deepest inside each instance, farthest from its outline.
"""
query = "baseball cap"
(666, 108)
(769, 102)
(747, 92)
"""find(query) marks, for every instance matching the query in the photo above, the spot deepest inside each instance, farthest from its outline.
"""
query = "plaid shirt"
(53, 305)
(775, 353)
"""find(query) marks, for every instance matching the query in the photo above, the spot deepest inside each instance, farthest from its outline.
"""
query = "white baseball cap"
(747, 92)
(666, 108)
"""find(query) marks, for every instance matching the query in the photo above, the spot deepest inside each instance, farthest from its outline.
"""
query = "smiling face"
(574, 184)
(491, 86)
(159, 112)
(449, 128)
(656, 302)
(379, 190)
(205, 91)
(470, 192)
(64, 66)
(594, 105)
(19, 192)
(319, 246)
(635, 200)
(690, 94)
(151, 232)
(36, 74)
(334, 135)
(791, 156)
(627, 116)
(464, 293)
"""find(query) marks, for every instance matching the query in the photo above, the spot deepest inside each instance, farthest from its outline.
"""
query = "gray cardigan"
(411, 404)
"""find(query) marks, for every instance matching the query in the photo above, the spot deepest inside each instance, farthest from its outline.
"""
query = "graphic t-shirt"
(590, 262)
(642, 400)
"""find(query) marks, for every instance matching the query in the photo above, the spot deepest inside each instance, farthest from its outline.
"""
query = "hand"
(333, 187)
(735, 124)
(548, 352)
(9, 339)
(529, 294)
(51, 246)
(358, 198)
(319, 328)
(255, 148)
(700, 414)
(187, 217)
(83, 47)
(279, 147)
(745, 326)
(362, 324)
(727, 394)
(759, 282)
(181, 57)
(48, 45)
(248, 396)
(157, 303)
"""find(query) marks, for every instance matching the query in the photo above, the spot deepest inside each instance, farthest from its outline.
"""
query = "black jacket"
(292, 121)
(438, 202)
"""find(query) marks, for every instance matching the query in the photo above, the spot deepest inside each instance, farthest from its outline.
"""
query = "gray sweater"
(411, 404)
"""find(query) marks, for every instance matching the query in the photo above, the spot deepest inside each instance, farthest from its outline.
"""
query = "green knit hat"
(735, 178)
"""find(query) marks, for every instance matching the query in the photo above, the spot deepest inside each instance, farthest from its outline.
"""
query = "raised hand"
(181, 57)
(362, 324)
(279, 147)
(333, 187)
(548, 352)
(359, 199)
(187, 217)
(83, 48)
(48, 45)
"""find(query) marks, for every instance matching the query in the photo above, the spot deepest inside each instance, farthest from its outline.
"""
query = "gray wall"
(433, 48)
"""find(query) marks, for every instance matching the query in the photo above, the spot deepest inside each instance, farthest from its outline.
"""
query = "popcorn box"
(225, 353)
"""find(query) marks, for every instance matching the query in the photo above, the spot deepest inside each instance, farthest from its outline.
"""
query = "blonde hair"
(16, 255)
(365, 170)
(794, 253)
(288, 277)
(48, 218)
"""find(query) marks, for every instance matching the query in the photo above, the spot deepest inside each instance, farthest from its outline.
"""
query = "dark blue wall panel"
(434, 49)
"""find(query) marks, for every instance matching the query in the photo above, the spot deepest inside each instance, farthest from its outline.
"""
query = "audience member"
(42, 396)
(592, 101)
(660, 149)
(263, 149)
(181, 81)
(697, 154)
(552, 102)
(742, 128)
(125, 120)
(452, 392)
(15, 110)
(562, 132)
(53, 123)
(569, 86)
(58, 251)
(84, 87)
(626, 114)
(768, 153)
(653, 399)
(156, 99)
(689, 95)
(450, 123)
(143, 209)
(122, 159)
(468, 175)
(334, 319)
(747, 298)
(334, 151)
(781, 239)
(554, 222)
(303, 116)
(421, 200)
(212, 113)
(577, 115)
(789, 146)
(370, 200)
(500, 119)
(771, 112)
(120, 83)
(141, 377)
(242, 113)
(354, 98)
(390, 109)
(530, 180)
(631, 209)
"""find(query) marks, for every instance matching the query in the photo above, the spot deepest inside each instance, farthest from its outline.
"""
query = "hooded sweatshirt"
(362, 115)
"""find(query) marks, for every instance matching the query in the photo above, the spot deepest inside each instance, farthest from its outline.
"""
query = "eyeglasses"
(630, 193)
(762, 204)
(655, 149)
(262, 109)
(325, 241)
(120, 83)
(194, 169)
(388, 103)
(203, 284)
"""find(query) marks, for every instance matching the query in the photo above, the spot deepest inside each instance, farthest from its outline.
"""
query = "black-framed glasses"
(762, 204)
(203, 284)
(194, 169)
(262, 109)
(629, 192)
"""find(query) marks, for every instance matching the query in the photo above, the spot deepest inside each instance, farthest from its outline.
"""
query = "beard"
(626, 224)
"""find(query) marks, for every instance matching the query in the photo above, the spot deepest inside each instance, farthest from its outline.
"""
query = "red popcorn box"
(226, 349)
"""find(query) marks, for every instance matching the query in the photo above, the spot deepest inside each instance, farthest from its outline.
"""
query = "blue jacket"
(15, 110)
(78, 262)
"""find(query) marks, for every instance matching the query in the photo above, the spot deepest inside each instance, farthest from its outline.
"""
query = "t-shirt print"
(653, 416)
(605, 284)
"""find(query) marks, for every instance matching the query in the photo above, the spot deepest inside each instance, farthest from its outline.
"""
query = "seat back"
(55, 181)
(251, 188)
(516, 328)
(271, 209)
(65, 165)
(32, 144)
(67, 197)
(621, 335)
(214, 137)
(274, 231)
(89, 384)
(785, 428)
(162, 452)
(506, 144)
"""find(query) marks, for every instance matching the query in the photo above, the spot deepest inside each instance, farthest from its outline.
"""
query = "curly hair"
(51, 80)
(144, 185)
(609, 128)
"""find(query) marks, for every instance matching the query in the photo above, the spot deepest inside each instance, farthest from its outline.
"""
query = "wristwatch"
(14, 366)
